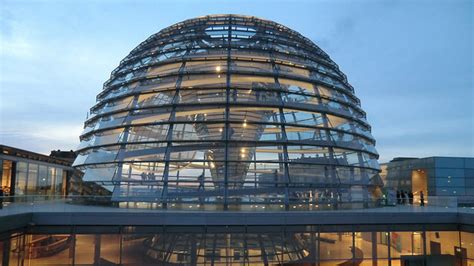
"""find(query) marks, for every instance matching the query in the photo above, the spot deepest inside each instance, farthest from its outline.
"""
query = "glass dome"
(229, 112)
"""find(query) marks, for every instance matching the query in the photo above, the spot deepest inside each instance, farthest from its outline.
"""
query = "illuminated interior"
(307, 245)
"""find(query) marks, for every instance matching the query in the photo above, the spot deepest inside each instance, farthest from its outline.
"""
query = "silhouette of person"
(422, 199)
(258, 95)
(143, 176)
(1, 198)
(151, 177)
(410, 198)
(201, 181)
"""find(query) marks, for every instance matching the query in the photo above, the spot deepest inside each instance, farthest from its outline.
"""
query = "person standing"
(410, 198)
(422, 199)
(1, 198)
(201, 182)
(143, 176)
(152, 178)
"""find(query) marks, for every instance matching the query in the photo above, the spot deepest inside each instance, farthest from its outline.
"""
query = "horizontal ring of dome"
(347, 145)
(96, 108)
(232, 46)
(234, 58)
(326, 163)
(108, 129)
(314, 81)
(315, 108)
(345, 87)
(280, 99)
(182, 144)
(189, 45)
(234, 87)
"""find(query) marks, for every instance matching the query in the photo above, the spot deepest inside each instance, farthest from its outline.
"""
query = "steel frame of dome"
(230, 112)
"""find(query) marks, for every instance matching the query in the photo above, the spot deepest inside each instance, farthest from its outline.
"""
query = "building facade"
(435, 176)
(26, 173)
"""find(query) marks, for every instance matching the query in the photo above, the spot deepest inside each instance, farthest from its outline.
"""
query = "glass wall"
(236, 245)
(37, 179)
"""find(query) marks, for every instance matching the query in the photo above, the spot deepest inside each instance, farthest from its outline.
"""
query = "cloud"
(42, 138)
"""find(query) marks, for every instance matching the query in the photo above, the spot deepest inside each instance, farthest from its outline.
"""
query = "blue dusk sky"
(410, 62)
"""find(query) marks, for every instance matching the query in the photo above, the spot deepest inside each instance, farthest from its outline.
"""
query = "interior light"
(218, 69)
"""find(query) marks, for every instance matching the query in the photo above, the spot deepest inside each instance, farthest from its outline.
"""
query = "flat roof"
(65, 214)
(19, 153)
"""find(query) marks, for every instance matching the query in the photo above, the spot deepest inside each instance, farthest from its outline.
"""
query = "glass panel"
(365, 245)
(43, 180)
(115, 105)
(85, 249)
(305, 134)
(21, 178)
(257, 94)
(406, 244)
(200, 114)
(297, 86)
(6, 176)
(110, 249)
(32, 187)
(214, 81)
(133, 249)
(294, 71)
(150, 116)
(250, 82)
(467, 242)
(335, 246)
(59, 181)
(218, 67)
(147, 133)
(202, 96)
(251, 66)
(303, 117)
(163, 69)
(155, 99)
(255, 114)
(442, 242)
